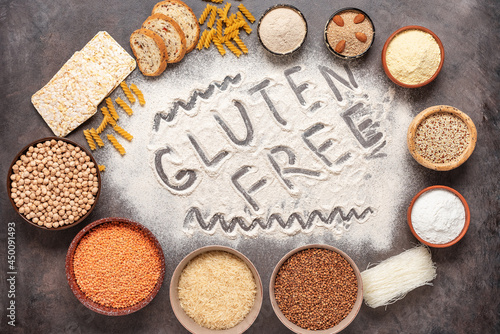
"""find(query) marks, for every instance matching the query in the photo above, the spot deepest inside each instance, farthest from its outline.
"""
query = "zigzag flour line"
(206, 94)
(229, 227)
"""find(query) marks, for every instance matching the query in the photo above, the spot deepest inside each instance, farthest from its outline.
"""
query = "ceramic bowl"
(384, 52)
(467, 217)
(267, 12)
(90, 304)
(331, 48)
(23, 151)
(187, 321)
(448, 165)
(340, 326)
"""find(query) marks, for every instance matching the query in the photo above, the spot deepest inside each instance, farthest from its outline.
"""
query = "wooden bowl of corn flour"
(282, 29)
(412, 56)
(438, 216)
(227, 279)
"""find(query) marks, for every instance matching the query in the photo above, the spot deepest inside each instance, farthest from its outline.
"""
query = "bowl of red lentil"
(316, 289)
(53, 183)
(441, 138)
(115, 266)
(216, 289)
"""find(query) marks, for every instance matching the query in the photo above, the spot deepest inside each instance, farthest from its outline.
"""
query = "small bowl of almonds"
(441, 137)
(53, 183)
(349, 33)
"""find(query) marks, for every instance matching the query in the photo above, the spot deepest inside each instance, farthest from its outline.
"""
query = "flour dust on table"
(278, 151)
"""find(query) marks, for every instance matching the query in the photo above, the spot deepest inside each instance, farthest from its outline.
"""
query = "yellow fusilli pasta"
(216, 1)
(240, 44)
(226, 11)
(210, 35)
(205, 13)
(233, 48)
(124, 106)
(96, 137)
(219, 28)
(202, 40)
(123, 133)
(90, 140)
(219, 46)
(247, 13)
(102, 168)
(138, 92)
(116, 144)
(111, 109)
(103, 125)
(213, 16)
(235, 26)
(245, 27)
(127, 92)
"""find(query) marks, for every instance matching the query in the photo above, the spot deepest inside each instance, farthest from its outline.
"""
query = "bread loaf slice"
(150, 52)
(184, 16)
(171, 33)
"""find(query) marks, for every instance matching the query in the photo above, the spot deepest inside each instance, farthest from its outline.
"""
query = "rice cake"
(63, 104)
(73, 94)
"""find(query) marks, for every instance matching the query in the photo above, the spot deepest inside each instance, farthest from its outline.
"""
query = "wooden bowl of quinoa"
(316, 289)
(115, 266)
(216, 289)
(53, 183)
(441, 137)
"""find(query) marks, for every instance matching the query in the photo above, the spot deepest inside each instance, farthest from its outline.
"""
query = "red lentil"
(316, 288)
(116, 265)
(442, 138)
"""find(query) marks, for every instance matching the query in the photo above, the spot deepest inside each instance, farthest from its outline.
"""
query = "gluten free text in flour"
(280, 153)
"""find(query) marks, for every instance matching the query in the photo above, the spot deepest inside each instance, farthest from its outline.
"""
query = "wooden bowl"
(384, 51)
(340, 326)
(467, 217)
(90, 304)
(428, 112)
(187, 321)
(23, 151)
(331, 48)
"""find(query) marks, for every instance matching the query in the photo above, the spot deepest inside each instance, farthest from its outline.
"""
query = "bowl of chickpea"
(53, 183)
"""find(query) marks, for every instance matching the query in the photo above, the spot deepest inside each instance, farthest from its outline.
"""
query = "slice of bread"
(170, 32)
(184, 16)
(150, 52)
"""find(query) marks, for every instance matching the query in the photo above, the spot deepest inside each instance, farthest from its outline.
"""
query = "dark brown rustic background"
(38, 36)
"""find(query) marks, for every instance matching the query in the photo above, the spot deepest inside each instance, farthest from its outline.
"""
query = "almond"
(340, 46)
(361, 37)
(359, 18)
(338, 20)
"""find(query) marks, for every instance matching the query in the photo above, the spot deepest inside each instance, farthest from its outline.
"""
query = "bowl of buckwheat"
(53, 183)
(316, 289)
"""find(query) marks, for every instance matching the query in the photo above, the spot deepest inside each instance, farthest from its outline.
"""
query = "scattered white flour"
(330, 160)
(282, 30)
(438, 216)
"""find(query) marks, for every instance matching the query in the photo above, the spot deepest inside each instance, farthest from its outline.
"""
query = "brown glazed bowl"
(467, 217)
(23, 151)
(87, 302)
(340, 326)
(189, 323)
(428, 112)
(384, 51)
